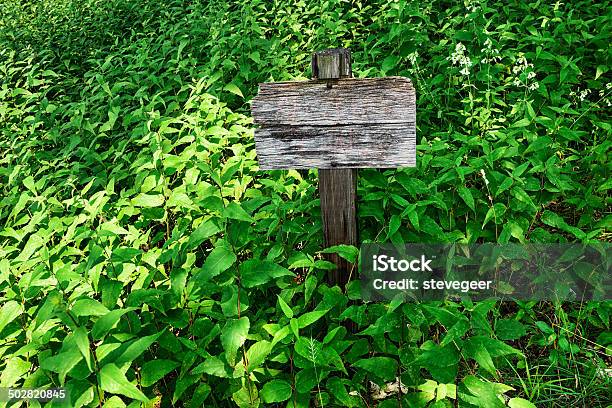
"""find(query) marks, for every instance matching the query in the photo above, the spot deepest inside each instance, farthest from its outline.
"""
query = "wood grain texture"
(356, 123)
(351, 146)
(338, 190)
(331, 63)
(348, 102)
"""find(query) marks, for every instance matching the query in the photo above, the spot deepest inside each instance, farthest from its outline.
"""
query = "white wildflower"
(484, 177)
(584, 93)
(412, 57)
(609, 85)
(491, 54)
(458, 57)
(531, 75)
(534, 86)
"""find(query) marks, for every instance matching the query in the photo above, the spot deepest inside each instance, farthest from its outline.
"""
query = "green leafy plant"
(145, 260)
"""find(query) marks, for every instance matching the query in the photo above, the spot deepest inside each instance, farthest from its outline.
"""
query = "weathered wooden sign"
(337, 124)
(340, 123)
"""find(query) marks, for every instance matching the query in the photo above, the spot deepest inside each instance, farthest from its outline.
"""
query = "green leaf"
(28, 182)
(113, 380)
(82, 341)
(394, 224)
(281, 334)
(520, 403)
(306, 380)
(88, 307)
(219, 260)
(255, 272)
(310, 349)
(33, 244)
(432, 228)
(233, 336)
(509, 329)
(295, 327)
(107, 322)
(522, 196)
(601, 69)
(200, 234)
(467, 197)
(285, 307)
(485, 395)
(338, 391)
(554, 220)
(495, 213)
(436, 356)
(136, 348)
(456, 331)
(539, 143)
(233, 88)
(309, 318)
(236, 212)
(483, 358)
(389, 62)
(212, 366)
(276, 391)
(155, 370)
(200, 394)
(247, 396)
(9, 312)
(494, 347)
(257, 353)
(112, 402)
(521, 123)
(446, 317)
(13, 371)
(148, 200)
(506, 184)
(382, 367)
(413, 216)
(347, 252)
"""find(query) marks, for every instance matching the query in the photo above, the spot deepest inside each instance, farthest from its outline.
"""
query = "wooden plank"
(350, 146)
(336, 102)
(336, 123)
(338, 190)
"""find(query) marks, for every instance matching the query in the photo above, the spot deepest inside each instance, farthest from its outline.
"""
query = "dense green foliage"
(144, 257)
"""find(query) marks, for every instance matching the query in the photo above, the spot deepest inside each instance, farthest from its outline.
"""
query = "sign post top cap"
(332, 63)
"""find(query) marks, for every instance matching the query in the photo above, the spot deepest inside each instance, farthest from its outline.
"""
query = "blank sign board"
(339, 123)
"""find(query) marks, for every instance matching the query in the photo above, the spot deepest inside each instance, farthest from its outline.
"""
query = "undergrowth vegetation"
(144, 258)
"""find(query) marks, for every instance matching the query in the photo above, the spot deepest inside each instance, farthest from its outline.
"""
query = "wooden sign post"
(337, 124)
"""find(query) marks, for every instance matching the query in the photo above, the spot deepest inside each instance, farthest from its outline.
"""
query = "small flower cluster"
(583, 94)
(471, 6)
(492, 54)
(521, 65)
(602, 94)
(412, 57)
(458, 57)
(519, 68)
